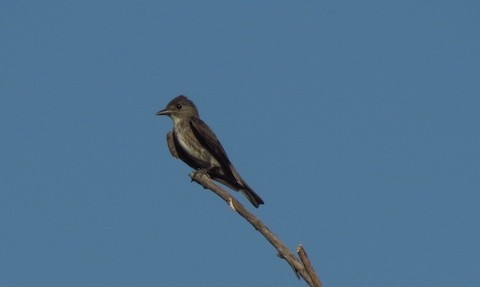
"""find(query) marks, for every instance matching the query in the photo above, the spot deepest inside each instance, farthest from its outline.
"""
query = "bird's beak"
(163, 112)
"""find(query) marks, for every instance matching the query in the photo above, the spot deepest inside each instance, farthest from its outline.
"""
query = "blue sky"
(356, 121)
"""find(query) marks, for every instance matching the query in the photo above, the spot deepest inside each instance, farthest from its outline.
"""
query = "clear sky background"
(356, 121)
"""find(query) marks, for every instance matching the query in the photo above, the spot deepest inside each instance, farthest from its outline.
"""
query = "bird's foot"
(199, 172)
(202, 171)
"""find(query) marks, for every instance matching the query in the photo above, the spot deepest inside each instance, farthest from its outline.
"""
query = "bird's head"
(179, 108)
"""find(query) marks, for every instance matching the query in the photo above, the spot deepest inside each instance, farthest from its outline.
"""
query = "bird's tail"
(232, 179)
(251, 196)
(245, 189)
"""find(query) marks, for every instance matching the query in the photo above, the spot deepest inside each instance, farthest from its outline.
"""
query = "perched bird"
(192, 141)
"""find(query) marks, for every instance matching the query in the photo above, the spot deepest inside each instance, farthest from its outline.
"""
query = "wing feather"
(209, 140)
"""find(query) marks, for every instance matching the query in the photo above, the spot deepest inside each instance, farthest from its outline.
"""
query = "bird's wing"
(209, 140)
(171, 145)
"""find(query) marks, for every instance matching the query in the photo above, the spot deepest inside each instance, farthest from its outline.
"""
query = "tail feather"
(252, 196)
(231, 178)
(245, 189)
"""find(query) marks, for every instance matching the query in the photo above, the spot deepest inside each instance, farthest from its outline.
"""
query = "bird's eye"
(179, 106)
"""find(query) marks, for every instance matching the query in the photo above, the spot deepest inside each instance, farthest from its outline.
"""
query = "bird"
(193, 141)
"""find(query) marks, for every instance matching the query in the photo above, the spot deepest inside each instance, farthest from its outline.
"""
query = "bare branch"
(299, 268)
(308, 266)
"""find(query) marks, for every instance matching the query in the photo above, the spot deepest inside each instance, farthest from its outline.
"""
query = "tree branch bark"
(308, 266)
(302, 267)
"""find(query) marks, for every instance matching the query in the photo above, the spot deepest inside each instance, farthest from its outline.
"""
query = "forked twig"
(302, 267)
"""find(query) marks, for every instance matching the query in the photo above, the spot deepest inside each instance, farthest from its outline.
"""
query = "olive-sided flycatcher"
(194, 142)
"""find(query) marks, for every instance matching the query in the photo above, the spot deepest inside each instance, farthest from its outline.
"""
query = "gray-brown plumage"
(192, 141)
